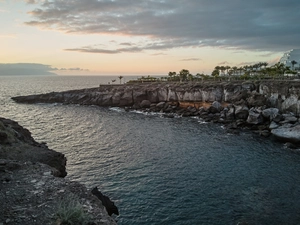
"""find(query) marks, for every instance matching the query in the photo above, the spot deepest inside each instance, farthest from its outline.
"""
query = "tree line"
(259, 71)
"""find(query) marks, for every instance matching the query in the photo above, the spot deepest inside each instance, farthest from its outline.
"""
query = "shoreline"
(270, 108)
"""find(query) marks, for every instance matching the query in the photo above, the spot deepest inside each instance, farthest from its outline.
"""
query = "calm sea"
(161, 170)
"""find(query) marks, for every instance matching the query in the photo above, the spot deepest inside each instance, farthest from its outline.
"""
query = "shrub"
(70, 212)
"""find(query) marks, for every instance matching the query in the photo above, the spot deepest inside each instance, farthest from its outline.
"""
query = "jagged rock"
(24, 148)
(256, 100)
(31, 191)
(254, 117)
(287, 134)
(291, 104)
(230, 114)
(289, 118)
(243, 94)
(283, 96)
(278, 118)
(273, 125)
(107, 203)
(241, 112)
(270, 113)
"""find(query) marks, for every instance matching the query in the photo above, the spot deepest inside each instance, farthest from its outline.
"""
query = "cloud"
(224, 63)
(249, 25)
(8, 36)
(133, 47)
(191, 59)
(69, 69)
(25, 69)
(34, 1)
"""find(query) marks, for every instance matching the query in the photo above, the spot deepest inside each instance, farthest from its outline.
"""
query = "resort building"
(291, 59)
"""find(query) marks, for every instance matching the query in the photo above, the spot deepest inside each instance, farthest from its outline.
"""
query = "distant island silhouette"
(9, 69)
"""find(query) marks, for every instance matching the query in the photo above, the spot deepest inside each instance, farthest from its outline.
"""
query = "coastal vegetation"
(258, 71)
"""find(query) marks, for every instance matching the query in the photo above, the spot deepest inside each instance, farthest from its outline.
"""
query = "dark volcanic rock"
(288, 134)
(107, 203)
(22, 147)
(31, 191)
(145, 104)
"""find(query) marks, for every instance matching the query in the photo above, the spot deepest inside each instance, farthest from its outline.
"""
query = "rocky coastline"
(34, 189)
(270, 108)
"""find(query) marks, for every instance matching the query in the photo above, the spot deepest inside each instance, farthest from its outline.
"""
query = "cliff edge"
(33, 190)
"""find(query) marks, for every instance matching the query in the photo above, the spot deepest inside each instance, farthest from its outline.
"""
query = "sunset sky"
(149, 37)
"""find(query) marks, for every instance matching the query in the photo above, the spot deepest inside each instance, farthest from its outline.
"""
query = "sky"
(149, 37)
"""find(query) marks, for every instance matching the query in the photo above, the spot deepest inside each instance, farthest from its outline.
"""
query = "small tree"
(120, 77)
(172, 75)
(293, 64)
(183, 74)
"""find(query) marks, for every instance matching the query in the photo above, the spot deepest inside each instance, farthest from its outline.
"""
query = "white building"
(292, 55)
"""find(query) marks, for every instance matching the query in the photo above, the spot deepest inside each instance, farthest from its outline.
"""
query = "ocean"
(166, 171)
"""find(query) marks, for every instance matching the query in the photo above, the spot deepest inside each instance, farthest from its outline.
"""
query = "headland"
(268, 107)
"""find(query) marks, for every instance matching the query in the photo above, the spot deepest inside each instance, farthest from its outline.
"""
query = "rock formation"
(32, 188)
(106, 202)
(255, 104)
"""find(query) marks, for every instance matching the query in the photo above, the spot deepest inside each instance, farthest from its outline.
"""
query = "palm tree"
(172, 75)
(234, 70)
(227, 68)
(120, 77)
(218, 68)
(279, 68)
(265, 64)
(293, 64)
(223, 68)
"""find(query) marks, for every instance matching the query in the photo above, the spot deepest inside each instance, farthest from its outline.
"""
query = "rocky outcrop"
(254, 104)
(106, 202)
(32, 188)
(282, 95)
(17, 144)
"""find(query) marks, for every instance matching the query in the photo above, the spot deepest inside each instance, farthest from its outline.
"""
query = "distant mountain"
(7, 69)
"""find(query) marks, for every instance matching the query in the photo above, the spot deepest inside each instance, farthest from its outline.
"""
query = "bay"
(160, 170)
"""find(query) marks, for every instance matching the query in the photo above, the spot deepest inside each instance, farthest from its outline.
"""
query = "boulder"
(145, 104)
(215, 107)
(241, 112)
(270, 113)
(230, 114)
(256, 100)
(287, 134)
(254, 117)
(160, 105)
(289, 118)
(273, 125)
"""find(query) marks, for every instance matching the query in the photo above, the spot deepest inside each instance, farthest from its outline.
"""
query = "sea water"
(158, 170)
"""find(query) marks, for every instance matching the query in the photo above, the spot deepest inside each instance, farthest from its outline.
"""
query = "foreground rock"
(288, 134)
(17, 144)
(32, 188)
